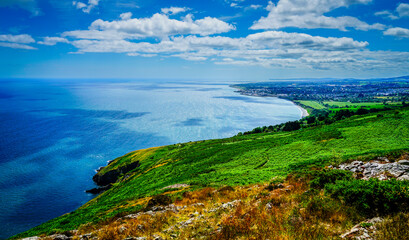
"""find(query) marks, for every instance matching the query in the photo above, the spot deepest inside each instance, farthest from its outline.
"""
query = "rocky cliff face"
(109, 177)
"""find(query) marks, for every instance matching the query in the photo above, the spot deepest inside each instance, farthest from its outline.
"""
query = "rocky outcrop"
(109, 177)
(382, 169)
(365, 230)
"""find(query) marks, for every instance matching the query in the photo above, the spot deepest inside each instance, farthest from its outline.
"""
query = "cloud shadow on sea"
(191, 122)
(105, 114)
(241, 98)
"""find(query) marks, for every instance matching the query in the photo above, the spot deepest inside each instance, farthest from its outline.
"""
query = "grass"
(237, 161)
(249, 212)
(360, 104)
(311, 104)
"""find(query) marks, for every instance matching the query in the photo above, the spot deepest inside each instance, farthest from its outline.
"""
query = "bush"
(372, 197)
(324, 177)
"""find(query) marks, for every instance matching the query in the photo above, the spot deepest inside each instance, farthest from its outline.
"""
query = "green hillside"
(240, 160)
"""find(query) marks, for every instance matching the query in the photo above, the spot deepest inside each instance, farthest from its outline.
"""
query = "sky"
(252, 40)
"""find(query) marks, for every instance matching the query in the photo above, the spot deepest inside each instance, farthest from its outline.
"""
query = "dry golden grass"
(248, 212)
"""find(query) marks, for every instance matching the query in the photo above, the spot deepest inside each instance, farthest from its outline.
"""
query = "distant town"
(386, 90)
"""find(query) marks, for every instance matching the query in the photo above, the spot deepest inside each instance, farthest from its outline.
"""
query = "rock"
(176, 186)
(113, 175)
(31, 238)
(186, 223)
(122, 229)
(99, 169)
(156, 237)
(59, 237)
(404, 177)
(85, 236)
(376, 169)
(198, 205)
(404, 162)
(364, 230)
(99, 190)
(159, 200)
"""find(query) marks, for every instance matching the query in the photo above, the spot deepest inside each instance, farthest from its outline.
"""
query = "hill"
(238, 161)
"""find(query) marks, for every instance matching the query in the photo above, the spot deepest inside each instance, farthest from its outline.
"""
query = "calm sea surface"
(55, 133)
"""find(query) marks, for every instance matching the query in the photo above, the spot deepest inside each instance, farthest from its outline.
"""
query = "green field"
(361, 104)
(239, 160)
(311, 104)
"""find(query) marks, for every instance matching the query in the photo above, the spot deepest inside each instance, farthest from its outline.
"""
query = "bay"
(55, 133)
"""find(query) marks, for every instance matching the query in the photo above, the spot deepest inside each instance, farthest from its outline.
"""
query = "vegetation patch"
(256, 159)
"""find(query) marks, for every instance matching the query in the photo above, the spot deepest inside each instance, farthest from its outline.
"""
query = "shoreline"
(304, 112)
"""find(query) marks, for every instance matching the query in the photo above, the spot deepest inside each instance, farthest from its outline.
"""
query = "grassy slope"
(311, 104)
(238, 161)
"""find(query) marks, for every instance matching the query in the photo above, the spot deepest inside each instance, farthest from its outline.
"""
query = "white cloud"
(16, 45)
(126, 16)
(386, 14)
(86, 8)
(16, 41)
(235, 5)
(403, 10)
(268, 49)
(22, 38)
(397, 32)
(174, 10)
(160, 25)
(51, 41)
(97, 35)
(310, 14)
(254, 6)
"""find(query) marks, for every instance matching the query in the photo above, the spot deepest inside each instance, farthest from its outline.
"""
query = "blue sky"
(213, 39)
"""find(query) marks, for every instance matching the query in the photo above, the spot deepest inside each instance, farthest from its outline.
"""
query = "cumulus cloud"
(174, 10)
(86, 8)
(29, 5)
(397, 32)
(401, 11)
(16, 41)
(51, 41)
(310, 14)
(269, 49)
(159, 25)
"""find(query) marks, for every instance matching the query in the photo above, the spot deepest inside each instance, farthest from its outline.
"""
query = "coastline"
(304, 112)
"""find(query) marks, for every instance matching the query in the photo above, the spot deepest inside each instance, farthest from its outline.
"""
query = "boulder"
(404, 162)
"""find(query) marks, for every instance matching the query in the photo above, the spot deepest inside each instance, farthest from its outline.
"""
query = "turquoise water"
(55, 133)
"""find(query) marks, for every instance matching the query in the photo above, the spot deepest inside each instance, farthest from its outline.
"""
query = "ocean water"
(55, 133)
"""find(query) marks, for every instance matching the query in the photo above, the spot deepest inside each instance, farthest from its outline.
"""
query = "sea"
(54, 133)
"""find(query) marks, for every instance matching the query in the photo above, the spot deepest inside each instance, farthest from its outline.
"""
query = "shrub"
(324, 177)
(372, 197)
